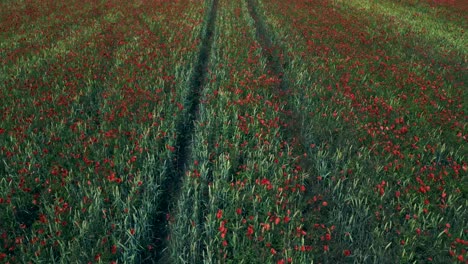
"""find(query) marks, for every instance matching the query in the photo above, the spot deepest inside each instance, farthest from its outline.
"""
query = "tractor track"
(269, 50)
(172, 184)
(292, 128)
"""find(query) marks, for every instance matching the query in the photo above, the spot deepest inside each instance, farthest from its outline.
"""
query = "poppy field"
(221, 131)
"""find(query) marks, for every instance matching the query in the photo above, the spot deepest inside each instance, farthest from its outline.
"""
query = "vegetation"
(218, 131)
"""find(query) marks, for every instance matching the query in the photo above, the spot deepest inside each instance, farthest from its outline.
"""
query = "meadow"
(221, 131)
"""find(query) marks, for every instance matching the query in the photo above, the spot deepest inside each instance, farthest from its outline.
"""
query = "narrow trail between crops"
(269, 50)
(185, 130)
(293, 121)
